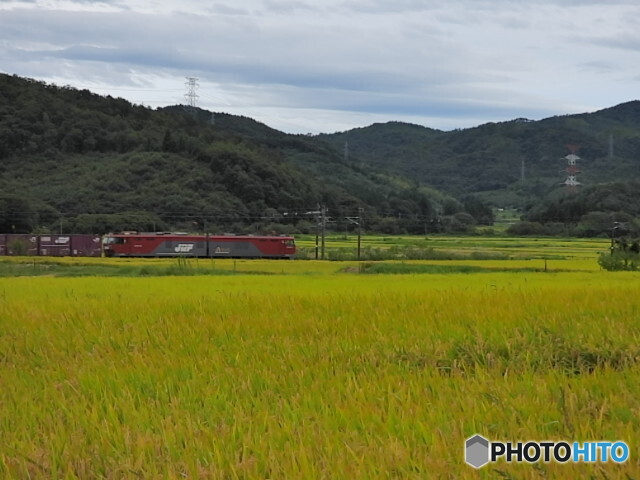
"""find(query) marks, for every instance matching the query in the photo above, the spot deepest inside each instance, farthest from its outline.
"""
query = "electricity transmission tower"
(572, 170)
(191, 96)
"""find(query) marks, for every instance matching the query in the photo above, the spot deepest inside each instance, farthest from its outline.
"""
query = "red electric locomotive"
(185, 245)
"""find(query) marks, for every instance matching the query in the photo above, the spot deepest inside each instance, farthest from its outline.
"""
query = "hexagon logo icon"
(476, 451)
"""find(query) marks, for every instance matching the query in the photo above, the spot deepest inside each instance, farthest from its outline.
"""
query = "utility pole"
(206, 236)
(360, 219)
(616, 230)
(317, 240)
(321, 225)
(323, 221)
(358, 222)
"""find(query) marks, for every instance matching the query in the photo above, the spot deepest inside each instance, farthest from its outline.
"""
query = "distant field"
(308, 369)
(507, 253)
(511, 247)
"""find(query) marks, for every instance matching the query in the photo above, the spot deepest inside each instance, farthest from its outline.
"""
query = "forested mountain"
(488, 160)
(75, 161)
(521, 164)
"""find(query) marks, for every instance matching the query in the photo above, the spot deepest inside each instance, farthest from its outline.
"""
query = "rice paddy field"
(132, 368)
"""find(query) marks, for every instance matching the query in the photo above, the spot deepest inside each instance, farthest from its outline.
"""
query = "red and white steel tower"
(572, 170)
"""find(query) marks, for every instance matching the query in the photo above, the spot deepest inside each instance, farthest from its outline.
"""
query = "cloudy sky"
(330, 65)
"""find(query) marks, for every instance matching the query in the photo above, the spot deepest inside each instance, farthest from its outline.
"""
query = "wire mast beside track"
(358, 222)
(321, 222)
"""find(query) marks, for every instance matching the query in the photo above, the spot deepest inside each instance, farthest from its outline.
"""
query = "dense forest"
(74, 161)
(488, 160)
(520, 165)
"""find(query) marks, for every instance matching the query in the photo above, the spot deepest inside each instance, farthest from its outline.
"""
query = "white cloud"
(303, 66)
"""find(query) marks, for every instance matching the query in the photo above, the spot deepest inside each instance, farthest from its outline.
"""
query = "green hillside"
(75, 161)
(487, 160)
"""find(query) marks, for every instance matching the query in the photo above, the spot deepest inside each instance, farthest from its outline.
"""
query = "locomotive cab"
(289, 247)
(110, 245)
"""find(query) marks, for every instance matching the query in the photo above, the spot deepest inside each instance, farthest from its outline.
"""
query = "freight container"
(85, 246)
(55, 245)
(18, 245)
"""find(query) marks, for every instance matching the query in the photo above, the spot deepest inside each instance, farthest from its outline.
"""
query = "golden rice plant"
(313, 376)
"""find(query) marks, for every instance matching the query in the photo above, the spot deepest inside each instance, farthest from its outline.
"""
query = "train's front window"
(113, 240)
(290, 243)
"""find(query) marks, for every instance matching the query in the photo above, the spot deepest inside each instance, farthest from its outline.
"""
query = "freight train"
(210, 246)
(50, 245)
(133, 244)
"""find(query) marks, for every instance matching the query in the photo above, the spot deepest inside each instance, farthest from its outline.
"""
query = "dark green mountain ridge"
(487, 159)
(73, 160)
